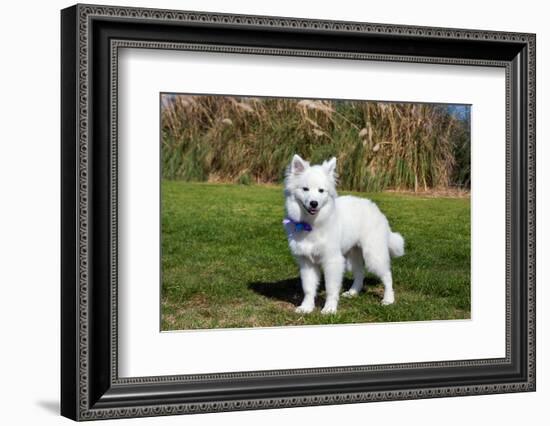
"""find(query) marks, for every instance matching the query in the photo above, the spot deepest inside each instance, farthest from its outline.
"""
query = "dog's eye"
(305, 189)
(321, 190)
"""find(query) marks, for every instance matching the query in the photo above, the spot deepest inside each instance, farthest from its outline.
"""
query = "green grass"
(226, 262)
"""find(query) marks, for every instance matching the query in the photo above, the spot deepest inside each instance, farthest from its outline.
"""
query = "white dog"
(334, 233)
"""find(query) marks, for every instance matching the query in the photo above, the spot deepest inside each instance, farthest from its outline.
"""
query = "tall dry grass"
(378, 145)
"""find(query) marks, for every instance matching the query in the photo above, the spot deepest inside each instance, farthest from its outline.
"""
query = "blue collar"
(298, 226)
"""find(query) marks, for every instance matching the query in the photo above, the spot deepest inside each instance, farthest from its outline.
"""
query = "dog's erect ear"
(330, 166)
(298, 165)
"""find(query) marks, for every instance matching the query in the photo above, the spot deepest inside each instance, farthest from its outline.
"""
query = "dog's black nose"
(313, 204)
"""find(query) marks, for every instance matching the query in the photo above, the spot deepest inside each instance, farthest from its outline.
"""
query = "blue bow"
(298, 226)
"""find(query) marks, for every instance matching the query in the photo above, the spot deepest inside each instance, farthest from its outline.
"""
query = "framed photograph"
(263, 212)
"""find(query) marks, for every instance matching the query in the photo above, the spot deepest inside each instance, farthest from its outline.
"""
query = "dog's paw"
(350, 293)
(329, 308)
(388, 299)
(304, 309)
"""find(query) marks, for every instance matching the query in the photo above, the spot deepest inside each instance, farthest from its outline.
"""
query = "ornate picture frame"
(90, 39)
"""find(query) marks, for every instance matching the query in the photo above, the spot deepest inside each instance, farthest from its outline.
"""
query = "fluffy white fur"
(347, 232)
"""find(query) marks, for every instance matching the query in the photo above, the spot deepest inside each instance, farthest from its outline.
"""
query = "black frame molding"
(90, 38)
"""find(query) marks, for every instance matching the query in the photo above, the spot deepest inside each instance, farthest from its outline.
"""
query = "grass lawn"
(226, 262)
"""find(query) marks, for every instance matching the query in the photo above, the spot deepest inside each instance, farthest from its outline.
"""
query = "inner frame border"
(117, 44)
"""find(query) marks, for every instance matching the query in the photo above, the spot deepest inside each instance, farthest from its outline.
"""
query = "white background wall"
(29, 211)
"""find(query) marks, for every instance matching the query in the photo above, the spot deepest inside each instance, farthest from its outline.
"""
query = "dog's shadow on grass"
(290, 290)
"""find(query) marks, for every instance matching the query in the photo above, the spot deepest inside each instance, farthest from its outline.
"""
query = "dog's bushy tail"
(396, 244)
